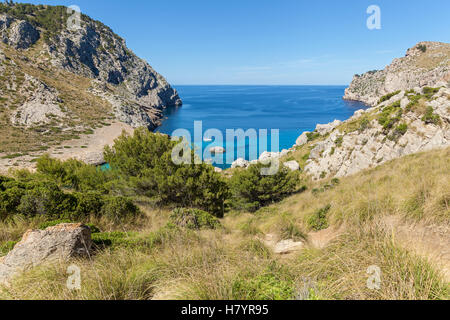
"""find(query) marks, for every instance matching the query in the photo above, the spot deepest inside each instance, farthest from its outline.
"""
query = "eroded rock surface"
(58, 243)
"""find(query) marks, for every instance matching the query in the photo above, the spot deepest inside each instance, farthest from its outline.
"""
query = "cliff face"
(426, 64)
(38, 36)
(410, 114)
(407, 123)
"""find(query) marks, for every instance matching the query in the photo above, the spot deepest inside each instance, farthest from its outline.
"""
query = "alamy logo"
(374, 280)
(374, 20)
(74, 279)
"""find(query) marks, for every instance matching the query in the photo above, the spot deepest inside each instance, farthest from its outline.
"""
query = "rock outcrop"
(58, 243)
(425, 64)
(409, 122)
(136, 92)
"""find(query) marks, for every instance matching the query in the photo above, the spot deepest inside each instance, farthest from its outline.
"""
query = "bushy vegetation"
(318, 220)
(194, 219)
(53, 194)
(422, 48)
(390, 116)
(388, 96)
(368, 224)
(252, 190)
(430, 92)
(52, 19)
(144, 163)
(430, 117)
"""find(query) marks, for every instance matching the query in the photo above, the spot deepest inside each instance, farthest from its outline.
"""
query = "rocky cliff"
(410, 114)
(61, 82)
(408, 122)
(425, 64)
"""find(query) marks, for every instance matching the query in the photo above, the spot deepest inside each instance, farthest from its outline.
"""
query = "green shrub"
(388, 96)
(46, 199)
(272, 284)
(10, 200)
(339, 141)
(386, 119)
(401, 129)
(89, 203)
(422, 48)
(318, 220)
(430, 117)
(144, 161)
(364, 124)
(194, 219)
(119, 208)
(73, 174)
(430, 92)
(414, 101)
(252, 190)
(312, 136)
(53, 223)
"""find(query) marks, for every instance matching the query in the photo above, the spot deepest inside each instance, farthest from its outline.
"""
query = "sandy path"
(89, 148)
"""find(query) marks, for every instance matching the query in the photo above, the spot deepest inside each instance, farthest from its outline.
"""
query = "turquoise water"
(291, 109)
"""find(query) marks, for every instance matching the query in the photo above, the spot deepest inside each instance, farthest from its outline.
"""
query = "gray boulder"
(240, 163)
(58, 243)
(303, 139)
(292, 165)
(323, 129)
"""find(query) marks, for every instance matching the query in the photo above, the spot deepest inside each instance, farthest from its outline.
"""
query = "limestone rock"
(363, 149)
(292, 165)
(267, 156)
(324, 129)
(303, 139)
(240, 163)
(58, 243)
(288, 246)
(41, 107)
(417, 69)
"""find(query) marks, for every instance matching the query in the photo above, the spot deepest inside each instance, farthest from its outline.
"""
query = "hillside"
(395, 217)
(59, 85)
(427, 64)
(399, 123)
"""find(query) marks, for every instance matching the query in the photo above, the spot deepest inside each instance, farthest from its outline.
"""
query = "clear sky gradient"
(268, 41)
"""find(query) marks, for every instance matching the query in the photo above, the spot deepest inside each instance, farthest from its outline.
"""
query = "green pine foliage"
(251, 190)
(144, 162)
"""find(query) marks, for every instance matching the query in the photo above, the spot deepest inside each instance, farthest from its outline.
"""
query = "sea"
(284, 112)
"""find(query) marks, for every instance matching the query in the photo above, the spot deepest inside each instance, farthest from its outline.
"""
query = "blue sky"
(268, 41)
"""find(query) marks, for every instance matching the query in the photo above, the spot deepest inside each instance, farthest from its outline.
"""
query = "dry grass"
(233, 263)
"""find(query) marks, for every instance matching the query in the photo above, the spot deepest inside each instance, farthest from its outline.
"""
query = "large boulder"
(240, 163)
(58, 243)
(324, 129)
(303, 139)
(292, 165)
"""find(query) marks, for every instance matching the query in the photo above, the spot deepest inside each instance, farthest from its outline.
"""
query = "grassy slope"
(86, 112)
(396, 216)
